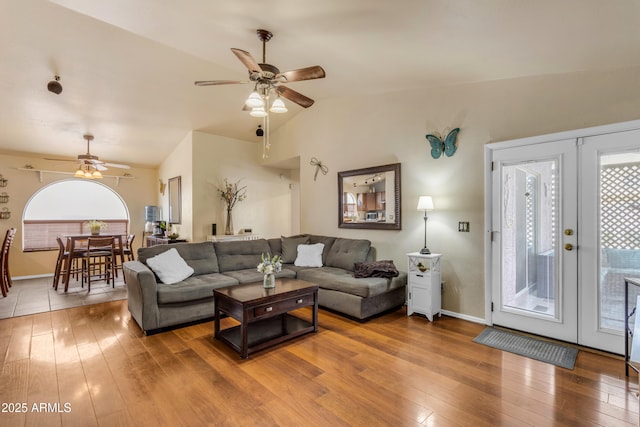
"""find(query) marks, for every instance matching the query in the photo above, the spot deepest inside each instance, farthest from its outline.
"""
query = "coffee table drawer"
(283, 306)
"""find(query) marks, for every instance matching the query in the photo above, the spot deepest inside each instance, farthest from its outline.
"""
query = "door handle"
(568, 247)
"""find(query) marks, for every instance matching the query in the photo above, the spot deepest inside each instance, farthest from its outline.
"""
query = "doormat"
(544, 351)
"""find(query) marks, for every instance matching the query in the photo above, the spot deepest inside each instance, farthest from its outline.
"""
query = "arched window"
(63, 207)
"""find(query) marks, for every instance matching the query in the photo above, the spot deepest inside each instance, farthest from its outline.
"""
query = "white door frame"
(489, 263)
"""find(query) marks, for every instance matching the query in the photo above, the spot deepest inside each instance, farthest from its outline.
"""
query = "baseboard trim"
(35, 276)
(464, 317)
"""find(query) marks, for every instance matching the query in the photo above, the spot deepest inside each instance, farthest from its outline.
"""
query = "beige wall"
(204, 161)
(22, 185)
(178, 163)
(352, 133)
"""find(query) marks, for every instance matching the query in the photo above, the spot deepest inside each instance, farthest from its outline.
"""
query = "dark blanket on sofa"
(384, 269)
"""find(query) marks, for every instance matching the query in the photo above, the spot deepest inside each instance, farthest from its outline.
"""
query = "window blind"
(40, 235)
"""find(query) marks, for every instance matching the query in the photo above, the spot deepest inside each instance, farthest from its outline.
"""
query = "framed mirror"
(370, 198)
(175, 200)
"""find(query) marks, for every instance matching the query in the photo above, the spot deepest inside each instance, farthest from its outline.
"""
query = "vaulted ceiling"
(127, 67)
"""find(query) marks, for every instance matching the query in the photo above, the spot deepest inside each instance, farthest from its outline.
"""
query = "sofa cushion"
(193, 288)
(345, 253)
(240, 255)
(200, 256)
(343, 281)
(275, 246)
(290, 247)
(327, 241)
(309, 255)
(170, 267)
(251, 275)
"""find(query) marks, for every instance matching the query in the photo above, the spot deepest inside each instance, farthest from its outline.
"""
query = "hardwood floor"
(91, 365)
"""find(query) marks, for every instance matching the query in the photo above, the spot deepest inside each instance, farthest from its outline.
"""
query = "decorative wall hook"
(449, 145)
(319, 167)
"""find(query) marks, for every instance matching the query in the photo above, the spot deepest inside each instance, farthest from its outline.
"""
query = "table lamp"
(425, 203)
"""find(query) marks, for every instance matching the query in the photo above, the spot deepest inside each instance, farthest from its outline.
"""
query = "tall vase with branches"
(231, 193)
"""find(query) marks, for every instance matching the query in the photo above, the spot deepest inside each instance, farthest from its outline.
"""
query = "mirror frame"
(175, 200)
(397, 224)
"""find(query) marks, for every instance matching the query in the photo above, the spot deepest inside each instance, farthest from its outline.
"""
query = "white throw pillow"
(309, 255)
(170, 267)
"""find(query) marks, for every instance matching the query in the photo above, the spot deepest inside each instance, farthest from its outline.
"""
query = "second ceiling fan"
(267, 77)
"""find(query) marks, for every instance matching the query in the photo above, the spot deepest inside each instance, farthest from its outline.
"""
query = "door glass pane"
(529, 225)
(619, 235)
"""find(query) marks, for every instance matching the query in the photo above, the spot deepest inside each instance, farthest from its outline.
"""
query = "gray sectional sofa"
(156, 306)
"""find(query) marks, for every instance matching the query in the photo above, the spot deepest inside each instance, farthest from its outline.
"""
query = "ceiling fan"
(89, 160)
(267, 77)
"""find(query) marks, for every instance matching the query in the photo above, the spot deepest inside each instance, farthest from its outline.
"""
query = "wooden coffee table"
(264, 313)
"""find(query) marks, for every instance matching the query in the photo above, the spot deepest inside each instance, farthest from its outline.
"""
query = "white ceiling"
(128, 67)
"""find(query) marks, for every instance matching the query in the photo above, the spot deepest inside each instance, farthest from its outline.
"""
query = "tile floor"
(30, 296)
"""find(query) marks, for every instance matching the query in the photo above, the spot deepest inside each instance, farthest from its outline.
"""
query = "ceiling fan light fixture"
(79, 173)
(96, 174)
(254, 100)
(258, 112)
(278, 106)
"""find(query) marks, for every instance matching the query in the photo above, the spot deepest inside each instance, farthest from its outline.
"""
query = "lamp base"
(425, 251)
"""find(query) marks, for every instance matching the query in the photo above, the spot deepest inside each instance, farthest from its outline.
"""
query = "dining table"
(74, 245)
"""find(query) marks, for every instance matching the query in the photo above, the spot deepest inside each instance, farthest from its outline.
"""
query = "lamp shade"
(425, 203)
(258, 112)
(278, 106)
(254, 100)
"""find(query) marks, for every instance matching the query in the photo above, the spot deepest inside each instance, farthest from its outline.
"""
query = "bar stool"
(99, 261)
(63, 255)
(128, 248)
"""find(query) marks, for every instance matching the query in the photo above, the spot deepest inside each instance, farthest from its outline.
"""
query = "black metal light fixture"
(55, 86)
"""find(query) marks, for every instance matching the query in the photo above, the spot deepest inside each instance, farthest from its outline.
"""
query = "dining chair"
(5, 274)
(99, 261)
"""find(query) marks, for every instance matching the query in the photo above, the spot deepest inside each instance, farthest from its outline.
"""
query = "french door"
(564, 233)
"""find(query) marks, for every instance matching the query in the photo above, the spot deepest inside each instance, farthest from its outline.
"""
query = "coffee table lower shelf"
(266, 333)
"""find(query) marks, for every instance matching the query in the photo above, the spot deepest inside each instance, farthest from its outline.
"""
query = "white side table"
(424, 284)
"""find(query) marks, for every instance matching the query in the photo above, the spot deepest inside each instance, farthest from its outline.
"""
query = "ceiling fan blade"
(248, 61)
(218, 82)
(117, 165)
(309, 73)
(101, 168)
(60, 160)
(294, 96)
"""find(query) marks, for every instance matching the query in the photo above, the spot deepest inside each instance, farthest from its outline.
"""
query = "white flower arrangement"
(270, 264)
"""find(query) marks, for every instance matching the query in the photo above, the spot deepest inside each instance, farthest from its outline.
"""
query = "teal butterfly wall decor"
(449, 145)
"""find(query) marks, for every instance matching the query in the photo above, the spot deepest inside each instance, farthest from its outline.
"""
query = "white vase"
(269, 281)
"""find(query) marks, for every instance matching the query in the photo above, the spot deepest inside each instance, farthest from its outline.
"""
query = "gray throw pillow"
(290, 248)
